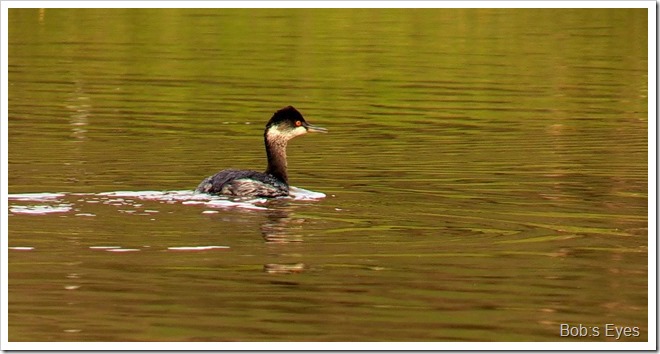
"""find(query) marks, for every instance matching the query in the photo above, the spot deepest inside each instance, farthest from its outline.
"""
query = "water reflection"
(273, 268)
(80, 107)
(281, 226)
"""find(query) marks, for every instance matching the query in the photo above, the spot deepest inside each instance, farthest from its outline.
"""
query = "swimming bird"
(286, 124)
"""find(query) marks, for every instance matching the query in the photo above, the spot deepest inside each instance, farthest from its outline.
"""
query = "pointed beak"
(313, 128)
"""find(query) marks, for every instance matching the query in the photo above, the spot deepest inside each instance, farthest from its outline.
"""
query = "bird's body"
(244, 183)
(285, 124)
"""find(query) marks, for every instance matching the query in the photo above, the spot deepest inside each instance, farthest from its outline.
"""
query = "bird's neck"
(276, 153)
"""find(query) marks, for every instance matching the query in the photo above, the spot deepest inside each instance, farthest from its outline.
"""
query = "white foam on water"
(304, 194)
(224, 203)
(184, 195)
(40, 209)
(35, 197)
(193, 202)
(49, 203)
(196, 248)
(21, 248)
(122, 250)
(132, 194)
(56, 206)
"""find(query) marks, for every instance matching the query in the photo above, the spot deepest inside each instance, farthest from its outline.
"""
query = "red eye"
(298, 123)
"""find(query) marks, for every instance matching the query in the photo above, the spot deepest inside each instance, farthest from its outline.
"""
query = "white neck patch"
(276, 135)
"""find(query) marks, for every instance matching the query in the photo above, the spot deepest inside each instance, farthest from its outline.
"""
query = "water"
(484, 177)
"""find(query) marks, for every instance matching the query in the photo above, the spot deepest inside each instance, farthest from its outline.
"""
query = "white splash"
(56, 206)
(224, 203)
(35, 197)
(122, 250)
(40, 209)
(184, 195)
(196, 248)
(47, 203)
(304, 194)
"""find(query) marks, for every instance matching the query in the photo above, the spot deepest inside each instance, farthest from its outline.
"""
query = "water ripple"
(48, 203)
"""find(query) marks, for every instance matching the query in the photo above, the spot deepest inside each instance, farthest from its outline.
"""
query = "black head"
(288, 123)
(286, 117)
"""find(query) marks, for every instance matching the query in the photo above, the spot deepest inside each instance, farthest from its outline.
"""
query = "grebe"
(286, 124)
